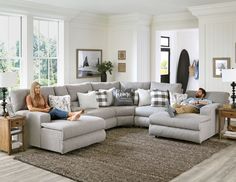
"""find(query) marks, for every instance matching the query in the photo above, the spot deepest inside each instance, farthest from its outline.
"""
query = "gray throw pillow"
(122, 98)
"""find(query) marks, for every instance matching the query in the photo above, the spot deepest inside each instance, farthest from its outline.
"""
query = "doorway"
(165, 60)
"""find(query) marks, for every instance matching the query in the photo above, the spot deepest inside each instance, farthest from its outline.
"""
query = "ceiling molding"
(183, 16)
(182, 20)
(36, 9)
(130, 20)
(89, 20)
(213, 9)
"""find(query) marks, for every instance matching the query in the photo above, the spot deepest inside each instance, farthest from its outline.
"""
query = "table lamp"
(229, 75)
(7, 79)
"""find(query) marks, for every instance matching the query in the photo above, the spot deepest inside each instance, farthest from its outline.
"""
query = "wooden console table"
(225, 114)
(10, 127)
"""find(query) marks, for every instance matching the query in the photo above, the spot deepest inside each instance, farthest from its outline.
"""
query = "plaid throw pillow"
(159, 98)
(101, 97)
(136, 97)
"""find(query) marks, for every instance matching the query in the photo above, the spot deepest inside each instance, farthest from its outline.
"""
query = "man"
(190, 105)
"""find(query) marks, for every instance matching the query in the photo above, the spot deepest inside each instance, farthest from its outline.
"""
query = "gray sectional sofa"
(63, 136)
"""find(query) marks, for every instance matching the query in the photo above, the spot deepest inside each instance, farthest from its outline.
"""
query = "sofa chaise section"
(63, 136)
(189, 126)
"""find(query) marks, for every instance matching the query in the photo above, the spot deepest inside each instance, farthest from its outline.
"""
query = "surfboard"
(183, 69)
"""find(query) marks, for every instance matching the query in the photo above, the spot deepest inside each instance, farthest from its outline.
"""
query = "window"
(10, 44)
(45, 51)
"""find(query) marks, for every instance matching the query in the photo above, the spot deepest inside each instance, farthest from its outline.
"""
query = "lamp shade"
(229, 75)
(8, 79)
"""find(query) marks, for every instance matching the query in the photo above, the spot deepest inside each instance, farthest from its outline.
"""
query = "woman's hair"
(35, 98)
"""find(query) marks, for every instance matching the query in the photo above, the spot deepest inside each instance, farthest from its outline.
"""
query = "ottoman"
(190, 127)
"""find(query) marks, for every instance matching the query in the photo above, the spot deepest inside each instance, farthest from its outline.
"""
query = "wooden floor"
(15, 171)
(221, 167)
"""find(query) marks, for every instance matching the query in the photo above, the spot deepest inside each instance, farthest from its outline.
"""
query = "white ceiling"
(112, 7)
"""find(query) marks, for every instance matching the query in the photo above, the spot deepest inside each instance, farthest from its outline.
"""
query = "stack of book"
(230, 134)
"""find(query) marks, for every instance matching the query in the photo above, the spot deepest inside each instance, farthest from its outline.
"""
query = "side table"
(11, 127)
(225, 114)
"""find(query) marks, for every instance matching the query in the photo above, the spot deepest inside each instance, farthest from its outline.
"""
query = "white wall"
(123, 39)
(86, 31)
(179, 40)
(130, 33)
(217, 31)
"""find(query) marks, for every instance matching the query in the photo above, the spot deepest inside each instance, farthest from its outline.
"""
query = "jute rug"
(128, 154)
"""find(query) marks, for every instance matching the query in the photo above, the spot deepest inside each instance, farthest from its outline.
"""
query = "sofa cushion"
(105, 85)
(88, 100)
(109, 95)
(144, 97)
(146, 111)
(122, 98)
(74, 89)
(46, 91)
(159, 98)
(18, 99)
(102, 98)
(172, 87)
(60, 91)
(124, 110)
(216, 97)
(189, 121)
(60, 102)
(135, 85)
(86, 124)
(105, 113)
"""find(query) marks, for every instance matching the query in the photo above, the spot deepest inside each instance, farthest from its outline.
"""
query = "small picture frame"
(122, 55)
(121, 67)
(219, 64)
(10, 110)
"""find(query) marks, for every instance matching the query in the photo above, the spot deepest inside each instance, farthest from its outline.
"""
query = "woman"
(36, 102)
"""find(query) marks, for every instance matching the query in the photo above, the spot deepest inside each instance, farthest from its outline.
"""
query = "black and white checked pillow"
(159, 98)
(101, 97)
(136, 97)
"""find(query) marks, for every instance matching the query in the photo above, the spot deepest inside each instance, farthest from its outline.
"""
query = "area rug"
(128, 154)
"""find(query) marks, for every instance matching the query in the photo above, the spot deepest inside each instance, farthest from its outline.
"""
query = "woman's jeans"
(58, 114)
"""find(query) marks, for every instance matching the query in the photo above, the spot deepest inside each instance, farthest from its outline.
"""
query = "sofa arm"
(209, 110)
(34, 120)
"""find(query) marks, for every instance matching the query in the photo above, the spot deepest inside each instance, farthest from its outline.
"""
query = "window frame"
(48, 58)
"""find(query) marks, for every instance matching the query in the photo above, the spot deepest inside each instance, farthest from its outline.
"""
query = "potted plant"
(103, 68)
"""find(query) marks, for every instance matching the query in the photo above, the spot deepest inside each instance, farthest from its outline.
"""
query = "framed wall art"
(219, 64)
(10, 110)
(121, 67)
(122, 55)
(87, 61)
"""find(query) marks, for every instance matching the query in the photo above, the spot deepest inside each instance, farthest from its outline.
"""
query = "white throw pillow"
(60, 102)
(88, 100)
(109, 96)
(144, 97)
(177, 98)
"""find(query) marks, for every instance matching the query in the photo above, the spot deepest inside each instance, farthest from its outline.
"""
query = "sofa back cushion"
(74, 89)
(18, 99)
(135, 85)
(215, 97)
(172, 87)
(105, 85)
(46, 91)
(60, 90)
